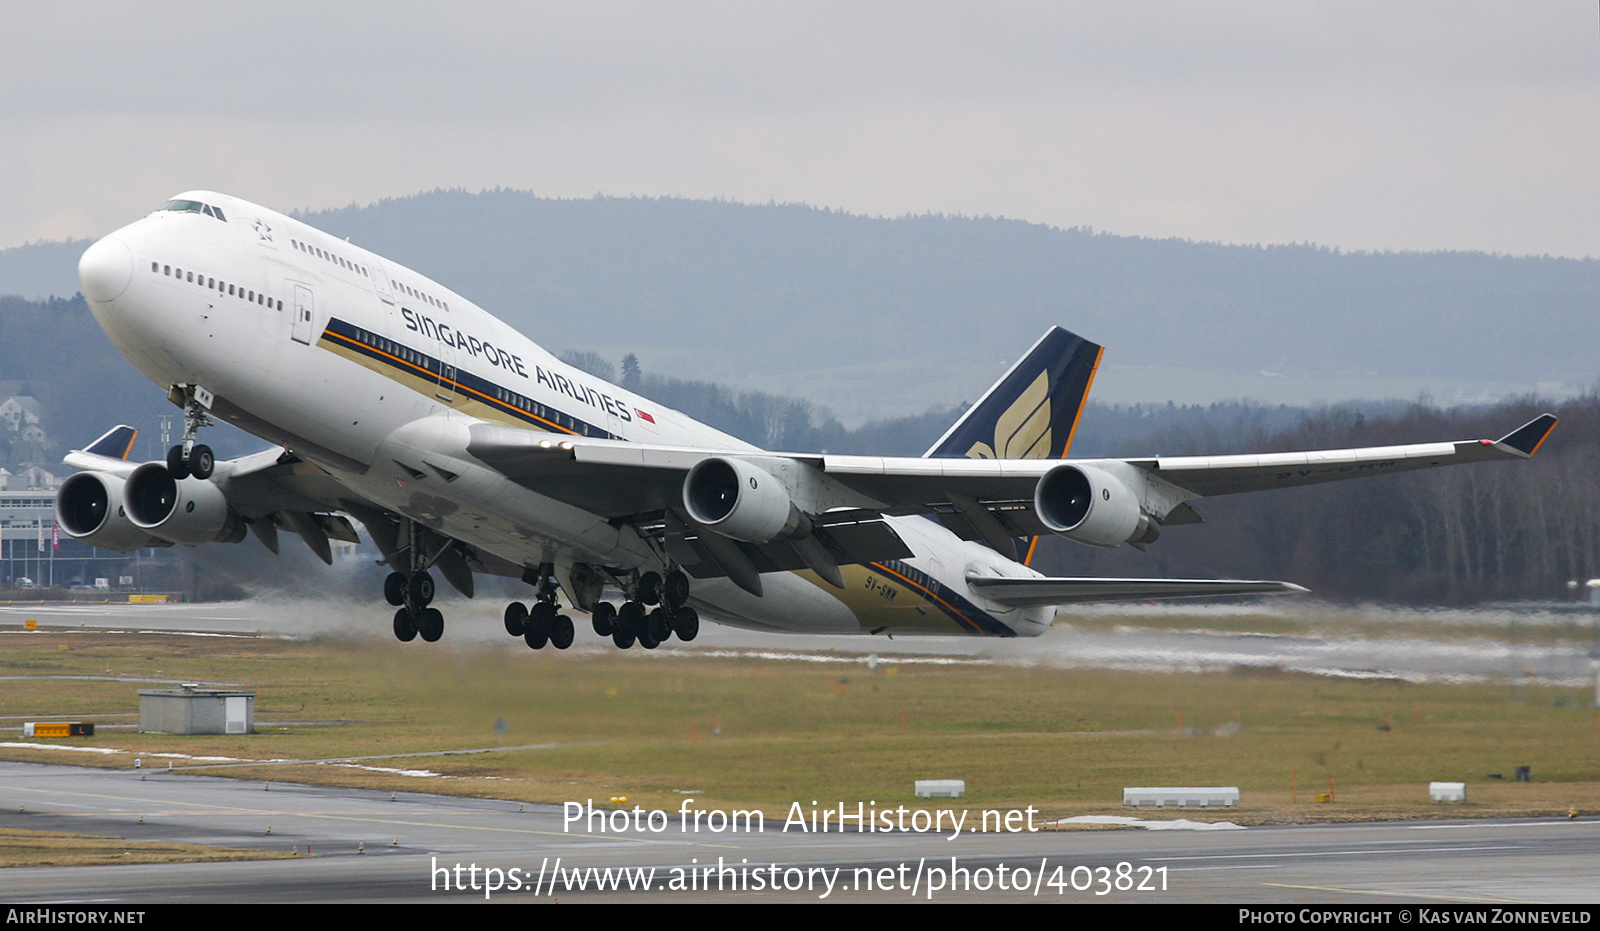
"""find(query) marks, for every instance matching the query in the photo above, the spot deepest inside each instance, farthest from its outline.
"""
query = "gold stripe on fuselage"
(416, 378)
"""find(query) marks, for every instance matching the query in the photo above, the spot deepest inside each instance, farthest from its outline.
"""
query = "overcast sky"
(1454, 125)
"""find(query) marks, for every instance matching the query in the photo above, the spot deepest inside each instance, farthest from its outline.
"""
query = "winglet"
(117, 443)
(1526, 438)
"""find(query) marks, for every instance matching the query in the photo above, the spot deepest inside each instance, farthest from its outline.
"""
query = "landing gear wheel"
(660, 625)
(686, 623)
(201, 461)
(177, 466)
(405, 627)
(431, 625)
(394, 589)
(421, 590)
(650, 588)
(603, 617)
(628, 625)
(675, 587)
(647, 641)
(561, 632)
(541, 616)
(516, 618)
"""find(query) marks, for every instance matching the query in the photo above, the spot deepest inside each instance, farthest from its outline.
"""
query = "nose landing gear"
(191, 458)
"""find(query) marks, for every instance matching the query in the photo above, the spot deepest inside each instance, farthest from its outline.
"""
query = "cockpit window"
(193, 206)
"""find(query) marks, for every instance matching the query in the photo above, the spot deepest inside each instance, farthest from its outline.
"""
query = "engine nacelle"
(742, 501)
(89, 508)
(192, 512)
(1090, 505)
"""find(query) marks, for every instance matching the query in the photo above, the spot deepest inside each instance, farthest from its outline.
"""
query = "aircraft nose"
(105, 270)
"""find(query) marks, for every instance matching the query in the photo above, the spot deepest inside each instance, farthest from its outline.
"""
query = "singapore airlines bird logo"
(1023, 431)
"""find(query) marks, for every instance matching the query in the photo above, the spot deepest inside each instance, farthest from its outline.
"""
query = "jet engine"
(192, 511)
(1090, 505)
(89, 508)
(742, 501)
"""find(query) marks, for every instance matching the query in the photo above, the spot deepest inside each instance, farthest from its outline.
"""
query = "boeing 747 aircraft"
(463, 447)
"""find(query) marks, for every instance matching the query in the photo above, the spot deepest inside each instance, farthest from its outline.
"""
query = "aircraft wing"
(1031, 593)
(993, 500)
(1226, 475)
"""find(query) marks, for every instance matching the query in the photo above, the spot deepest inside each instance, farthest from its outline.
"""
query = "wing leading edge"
(621, 480)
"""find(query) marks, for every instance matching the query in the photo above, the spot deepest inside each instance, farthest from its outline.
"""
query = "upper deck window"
(193, 206)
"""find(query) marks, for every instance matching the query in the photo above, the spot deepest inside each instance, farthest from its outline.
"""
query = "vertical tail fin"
(116, 443)
(1032, 412)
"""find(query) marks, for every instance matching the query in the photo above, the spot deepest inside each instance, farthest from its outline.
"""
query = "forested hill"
(878, 317)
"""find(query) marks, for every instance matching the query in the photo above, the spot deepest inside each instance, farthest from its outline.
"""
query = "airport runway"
(409, 839)
(414, 842)
(1415, 652)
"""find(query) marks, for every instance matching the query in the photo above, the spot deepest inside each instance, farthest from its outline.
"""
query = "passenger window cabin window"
(167, 269)
(155, 266)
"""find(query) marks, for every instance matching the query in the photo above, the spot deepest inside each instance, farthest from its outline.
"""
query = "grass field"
(41, 848)
(739, 731)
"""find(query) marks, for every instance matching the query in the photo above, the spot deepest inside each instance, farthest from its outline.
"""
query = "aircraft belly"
(890, 597)
(788, 604)
(478, 507)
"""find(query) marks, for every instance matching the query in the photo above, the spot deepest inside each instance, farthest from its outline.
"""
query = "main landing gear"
(633, 623)
(653, 613)
(412, 592)
(540, 623)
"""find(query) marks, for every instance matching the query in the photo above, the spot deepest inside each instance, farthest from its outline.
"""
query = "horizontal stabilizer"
(1033, 593)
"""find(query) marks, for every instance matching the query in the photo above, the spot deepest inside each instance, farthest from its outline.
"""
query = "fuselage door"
(304, 314)
(447, 372)
(380, 280)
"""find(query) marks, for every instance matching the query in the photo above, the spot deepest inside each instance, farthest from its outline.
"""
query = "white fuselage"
(375, 373)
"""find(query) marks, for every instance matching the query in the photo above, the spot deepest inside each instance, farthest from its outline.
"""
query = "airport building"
(34, 553)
